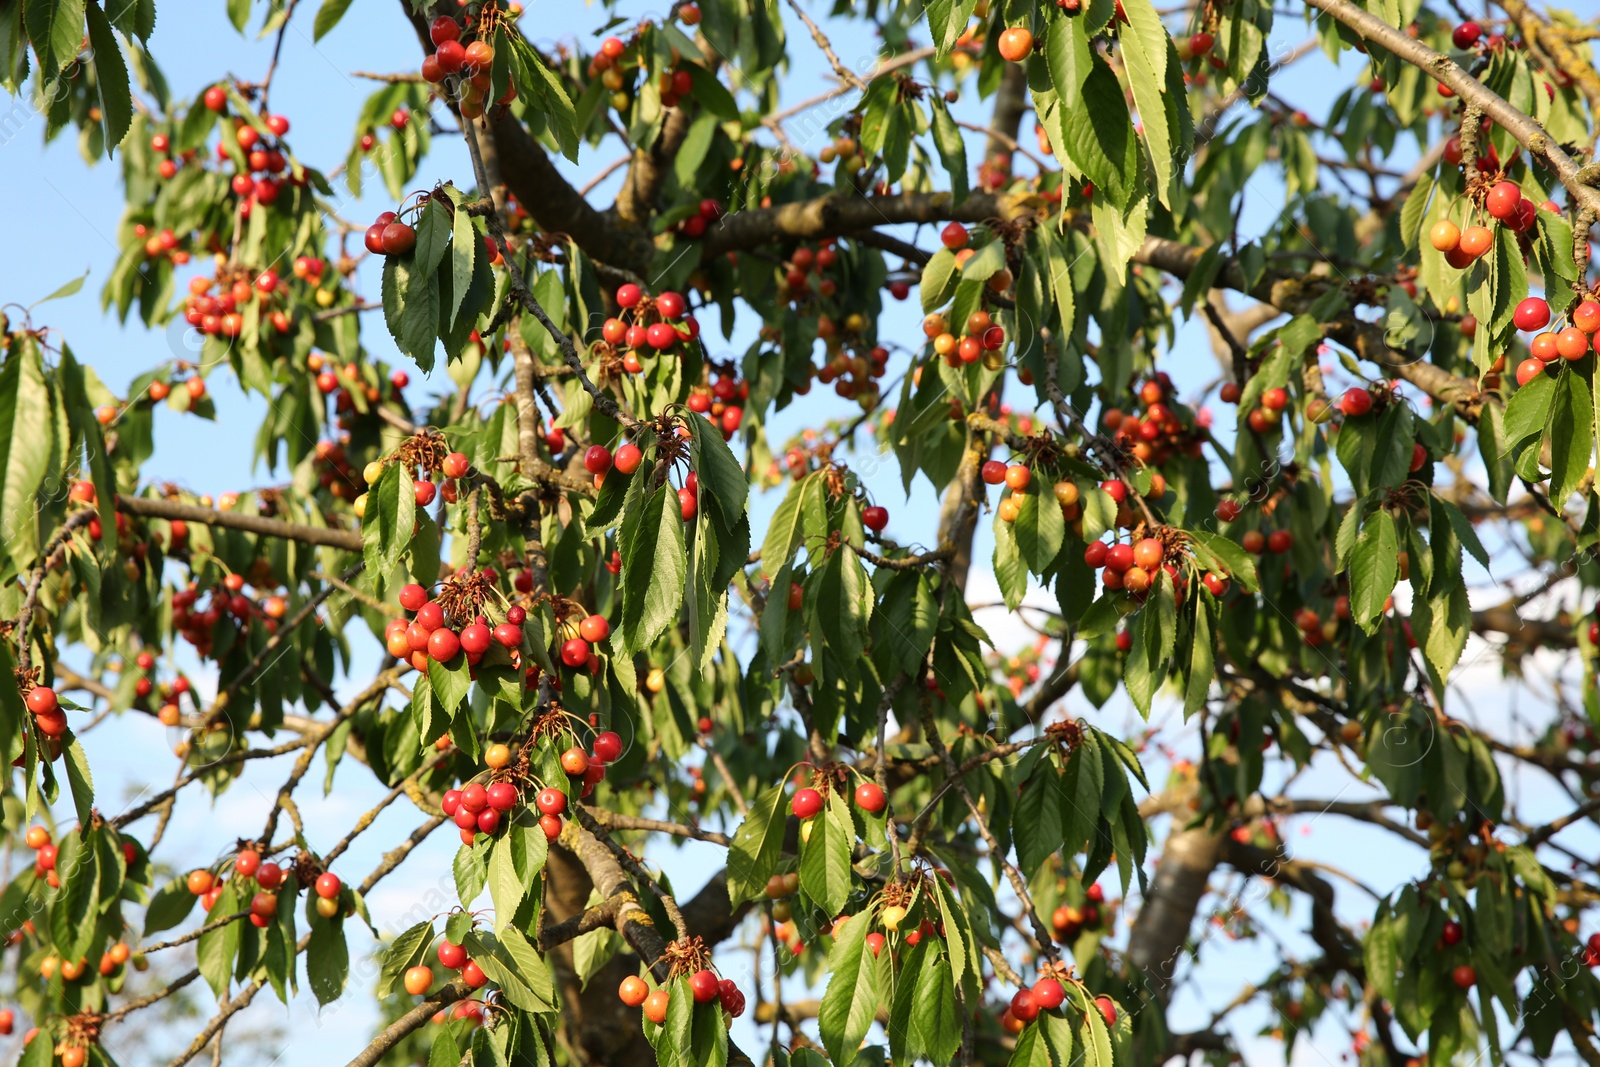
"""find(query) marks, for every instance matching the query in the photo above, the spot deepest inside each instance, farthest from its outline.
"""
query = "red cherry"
(474, 798)
(597, 460)
(627, 295)
(671, 305)
(488, 821)
(452, 955)
(328, 886)
(875, 518)
(627, 458)
(551, 801)
(1466, 35)
(954, 236)
(1464, 977)
(703, 986)
(443, 644)
(575, 652)
(688, 506)
(475, 639)
(994, 472)
(1452, 932)
(456, 465)
(806, 803)
(507, 635)
(1532, 314)
(269, 876)
(608, 747)
(247, 862)
(1503, 200)
(1108, 1009)
(551, 825)
(473, 975)
(442, 29)
(659, 335)
(1025, 1006)
(398, 239)
(1355, 402)
(870, 798)
(42, 700)
(502, 796)
(1048, 994)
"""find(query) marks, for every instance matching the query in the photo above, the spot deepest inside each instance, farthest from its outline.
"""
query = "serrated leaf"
(111, 78)
(1374, 567)
(756, 847)
(825, 856)
(654, 568)
(952, 149)
(1036, 826)
(850, 1002)
(328, 16)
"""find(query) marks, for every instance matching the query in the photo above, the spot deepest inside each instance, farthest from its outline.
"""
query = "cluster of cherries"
(388, 236)
(428, 636)
(980, 334)
(721, 402)
(221, 315)
(1067, 920)
(226, 600)
(1159, 433)
(472, 61)
(807, 802)
(419, 979)
(1018, 477)
(269, 877)
(1134, 567)
(646, 324)
(694, 227)
(704, 987)
(335, 472)
(1046, 994)
(45, 706)
(1571, 343)
(853, 377)
(424, 489)
(806, 262)
(1505, 203)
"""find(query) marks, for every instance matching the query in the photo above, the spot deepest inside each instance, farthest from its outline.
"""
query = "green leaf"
(55, 27)
(1039, 528)
(216, 949)
(1374, 567)
(407, 950)
(952, 149)
(239, 13)
(170, 905)
(1571, 435)
(722, 480)
(935, 1025)
(654, 568)
(1146, 52)
(327, 960)
(328, 16)
(471, 872)
(939, 279)
(111, 78)
(27, 439)
(825, 856)
(1036, 826)
(756, 847)
(79, 778)
(1099, 138)
(463, 252)
(786, 530)
(389, 519)
(850, 1003)
(1068, 58)
(66, 290)
(840, 601)
(433, 236)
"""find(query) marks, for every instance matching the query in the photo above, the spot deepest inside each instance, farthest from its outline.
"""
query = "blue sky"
(63, 220)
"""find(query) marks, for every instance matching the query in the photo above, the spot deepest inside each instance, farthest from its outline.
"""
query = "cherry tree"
(622, 606)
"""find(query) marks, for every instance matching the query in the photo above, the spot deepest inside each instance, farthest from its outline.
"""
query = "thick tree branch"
(155, 508)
